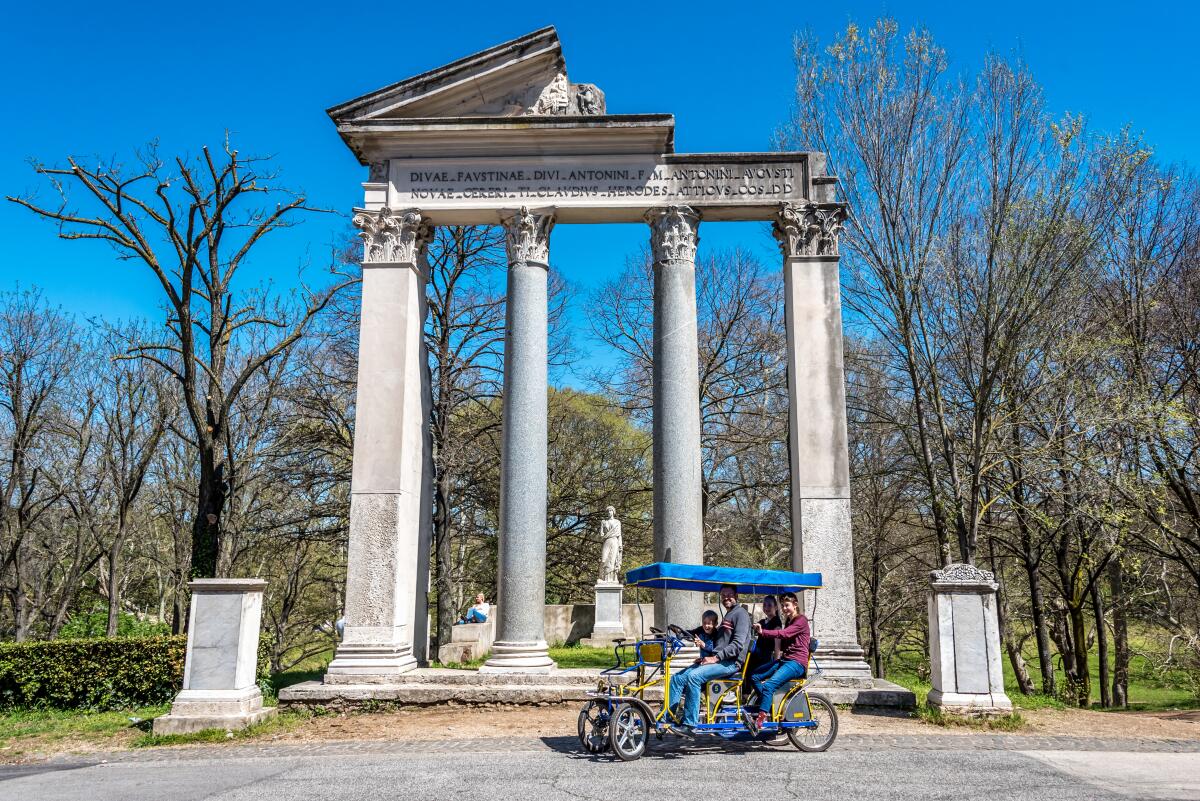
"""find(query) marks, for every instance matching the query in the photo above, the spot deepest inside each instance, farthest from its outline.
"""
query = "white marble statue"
(610, 551)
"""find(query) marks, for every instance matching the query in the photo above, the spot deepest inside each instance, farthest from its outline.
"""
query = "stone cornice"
(527, 237)
(674, 233)
(961, 577)
(809, 229)
(392, 237)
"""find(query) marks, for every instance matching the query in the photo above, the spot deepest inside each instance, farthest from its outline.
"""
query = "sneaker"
(760, 720)
(682, 730)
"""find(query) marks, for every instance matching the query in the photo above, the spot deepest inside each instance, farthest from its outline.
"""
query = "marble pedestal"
(608, 625)
(964, 643)
(219, 682)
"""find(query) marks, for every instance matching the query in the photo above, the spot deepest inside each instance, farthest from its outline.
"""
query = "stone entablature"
(609, 188)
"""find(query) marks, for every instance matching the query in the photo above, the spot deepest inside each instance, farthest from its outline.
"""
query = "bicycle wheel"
(821, 736)
(593, 726)
(629, 731)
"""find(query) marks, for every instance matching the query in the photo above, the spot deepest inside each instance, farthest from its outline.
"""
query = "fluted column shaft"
(388, 555)
(678, 522)
(817, 443)
(520, 644)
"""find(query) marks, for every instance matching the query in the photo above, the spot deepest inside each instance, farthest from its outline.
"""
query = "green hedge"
(97, 673)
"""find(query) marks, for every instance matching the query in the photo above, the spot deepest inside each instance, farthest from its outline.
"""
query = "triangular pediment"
(523, 77)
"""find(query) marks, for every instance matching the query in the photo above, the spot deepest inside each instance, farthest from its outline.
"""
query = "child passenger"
(705, 638)
(705, 635)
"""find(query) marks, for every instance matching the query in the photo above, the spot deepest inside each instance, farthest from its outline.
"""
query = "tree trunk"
(1015, 658)
(1120, 676)
(1041, 629)
(873, 623)
(1081, 681)
(1101, 645)
(114, 582)
(1011, 644)
(206, 527)
(444, 558)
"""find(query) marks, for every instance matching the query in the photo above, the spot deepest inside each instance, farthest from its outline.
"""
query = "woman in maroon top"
(792, 664)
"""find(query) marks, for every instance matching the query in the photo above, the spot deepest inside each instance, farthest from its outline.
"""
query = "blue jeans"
(771, 676)
(474, 616)
(690, 684)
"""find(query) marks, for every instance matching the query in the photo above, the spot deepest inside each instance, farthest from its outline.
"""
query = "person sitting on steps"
(792, 664)
(477, 613)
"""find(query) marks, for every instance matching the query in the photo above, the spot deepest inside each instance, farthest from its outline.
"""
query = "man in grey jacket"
(731, 648)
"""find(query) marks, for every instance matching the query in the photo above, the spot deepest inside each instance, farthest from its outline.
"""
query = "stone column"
(678, 523)
(520, 645)
(220, 688)
(387, 563)
(817, 442)
(964, 643)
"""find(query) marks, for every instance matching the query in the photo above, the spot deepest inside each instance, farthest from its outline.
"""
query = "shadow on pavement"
(8, 772)
(670, 747)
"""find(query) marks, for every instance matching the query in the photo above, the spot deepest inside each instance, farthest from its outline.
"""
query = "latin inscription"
(659, 183)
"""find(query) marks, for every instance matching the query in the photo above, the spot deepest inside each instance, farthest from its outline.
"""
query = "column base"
(519, 657)
(197, 710)
(844, 665)
(356, 663)
(972, 704)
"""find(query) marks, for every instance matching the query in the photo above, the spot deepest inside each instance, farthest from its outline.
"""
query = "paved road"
(969, 767)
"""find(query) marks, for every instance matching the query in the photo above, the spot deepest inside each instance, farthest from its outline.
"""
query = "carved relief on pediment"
(561, 98)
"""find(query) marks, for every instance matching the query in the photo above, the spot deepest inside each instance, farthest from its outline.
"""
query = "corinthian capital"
(809, 229)
(674, 233)
(527, 236)
(392, 236)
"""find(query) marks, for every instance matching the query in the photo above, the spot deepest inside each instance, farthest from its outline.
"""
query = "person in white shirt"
(477, 613)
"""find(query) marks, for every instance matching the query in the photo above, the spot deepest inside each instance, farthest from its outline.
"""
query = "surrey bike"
(629, 705)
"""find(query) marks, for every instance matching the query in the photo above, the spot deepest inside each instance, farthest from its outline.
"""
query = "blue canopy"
(707, 578)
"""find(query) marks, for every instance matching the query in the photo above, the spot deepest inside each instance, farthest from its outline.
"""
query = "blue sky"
(102, 78)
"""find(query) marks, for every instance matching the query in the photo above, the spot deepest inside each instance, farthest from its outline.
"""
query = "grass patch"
(578, 656)
(936, 717)
(311, 669)
(279, 722)
(30, 731)
(471, 664)
(1149, 690)
(565, 656)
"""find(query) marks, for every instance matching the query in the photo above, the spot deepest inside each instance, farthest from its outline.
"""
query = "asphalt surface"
(552, 768)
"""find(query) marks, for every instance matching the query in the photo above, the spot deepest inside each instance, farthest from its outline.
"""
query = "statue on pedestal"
(608, 624)
(610, 551)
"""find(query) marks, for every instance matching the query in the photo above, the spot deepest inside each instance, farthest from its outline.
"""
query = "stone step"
(425, 688)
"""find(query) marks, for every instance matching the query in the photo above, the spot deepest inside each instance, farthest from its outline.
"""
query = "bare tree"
(193, 224)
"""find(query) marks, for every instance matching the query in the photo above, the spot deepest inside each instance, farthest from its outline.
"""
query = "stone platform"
(427, 686)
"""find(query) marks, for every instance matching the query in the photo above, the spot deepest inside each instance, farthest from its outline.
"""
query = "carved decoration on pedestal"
(674, 233)
(527, 237)
(811, 229)
(390, 237)
(962, 574)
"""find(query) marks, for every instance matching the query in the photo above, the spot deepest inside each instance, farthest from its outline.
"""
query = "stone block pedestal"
(964, 643)
(219, 682)
(608, 625)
